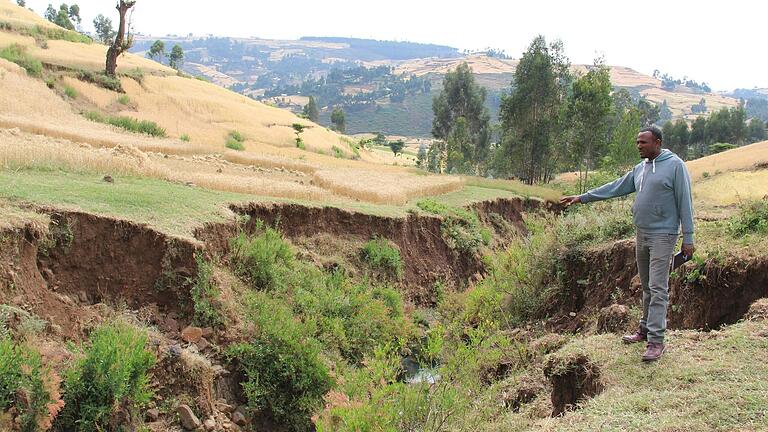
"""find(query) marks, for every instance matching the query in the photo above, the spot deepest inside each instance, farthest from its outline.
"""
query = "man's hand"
(568, 200)
(688, 250)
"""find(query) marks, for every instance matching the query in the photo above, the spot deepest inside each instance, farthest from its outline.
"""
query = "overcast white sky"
(720, 42)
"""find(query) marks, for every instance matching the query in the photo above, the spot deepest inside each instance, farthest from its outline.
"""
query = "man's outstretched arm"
(624, 185)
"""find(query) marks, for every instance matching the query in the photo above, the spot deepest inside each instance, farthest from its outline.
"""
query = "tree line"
(553, 121)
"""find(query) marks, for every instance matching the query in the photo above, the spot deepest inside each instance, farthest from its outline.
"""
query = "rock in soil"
(188, 419)
(152, 415)
(191, 334)
(239, 419)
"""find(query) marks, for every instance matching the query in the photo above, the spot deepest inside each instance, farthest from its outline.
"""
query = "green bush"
(70, 92)
(110, 376)
(262, 259)
(284, 374)
(16, 53)
(184, 137)
(751, 219)
(234, 144)
(205, 296)
(123, 100)
(130, 124)
(235, 135)
(235, 141)
(352, 318)
(382, 256)
(21, 370)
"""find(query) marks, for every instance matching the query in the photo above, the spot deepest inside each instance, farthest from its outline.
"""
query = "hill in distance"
(274, 70)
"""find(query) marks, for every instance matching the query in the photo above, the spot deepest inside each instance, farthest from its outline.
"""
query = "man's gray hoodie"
(663, 200)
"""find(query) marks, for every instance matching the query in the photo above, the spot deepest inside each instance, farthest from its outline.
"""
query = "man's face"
(647, 145)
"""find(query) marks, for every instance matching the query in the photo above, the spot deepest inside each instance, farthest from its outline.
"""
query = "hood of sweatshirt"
(664, 155)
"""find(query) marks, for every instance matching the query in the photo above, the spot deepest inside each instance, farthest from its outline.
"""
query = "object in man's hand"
(679, 260)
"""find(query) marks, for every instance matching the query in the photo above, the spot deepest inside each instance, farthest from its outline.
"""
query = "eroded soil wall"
(720, 294)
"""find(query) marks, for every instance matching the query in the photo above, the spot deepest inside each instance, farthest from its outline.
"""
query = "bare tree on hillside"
(121, 43)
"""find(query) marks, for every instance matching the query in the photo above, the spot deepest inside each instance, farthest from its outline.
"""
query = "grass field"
(705, 382)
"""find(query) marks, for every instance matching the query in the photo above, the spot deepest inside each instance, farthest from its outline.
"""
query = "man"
(663, 203)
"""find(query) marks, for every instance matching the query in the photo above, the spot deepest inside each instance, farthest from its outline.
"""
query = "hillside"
(175, 256)
(274, 70)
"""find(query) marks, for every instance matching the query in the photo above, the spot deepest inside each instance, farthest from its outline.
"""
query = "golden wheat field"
(738, 159)
(44, 128)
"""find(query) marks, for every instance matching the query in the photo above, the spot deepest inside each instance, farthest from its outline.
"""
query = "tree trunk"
(118, 46)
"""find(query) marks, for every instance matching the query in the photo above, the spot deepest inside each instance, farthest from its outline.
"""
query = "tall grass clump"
(262, 259)
(751, 219)
(22, 373)
(596, 223)
(109, 377)
(70, 92)
(383, 256)
(130, 124)
(16, 53)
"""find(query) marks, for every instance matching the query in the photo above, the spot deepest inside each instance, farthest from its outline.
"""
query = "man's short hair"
(653, 129)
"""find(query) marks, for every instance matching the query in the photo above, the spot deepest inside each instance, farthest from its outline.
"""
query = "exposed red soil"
(594, 279)
(426, 256)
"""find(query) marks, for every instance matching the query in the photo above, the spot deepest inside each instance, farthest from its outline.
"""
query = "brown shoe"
(635, 337)
(653, 351)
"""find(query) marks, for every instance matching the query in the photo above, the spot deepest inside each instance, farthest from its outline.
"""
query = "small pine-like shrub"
(205, 295)
(382, 256)
(263, 259)
(111, 375)
(16, 53)
(21, 372)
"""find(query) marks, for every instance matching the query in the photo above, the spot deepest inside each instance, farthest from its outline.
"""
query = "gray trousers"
(654, 253)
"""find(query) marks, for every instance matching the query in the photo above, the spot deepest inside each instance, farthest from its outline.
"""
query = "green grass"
(130, 124)
(44, 33)
(173, 208)
(18, 54)
(515, 187)
(184, 137)
(124, 100)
